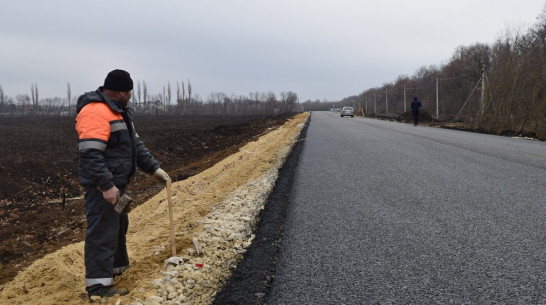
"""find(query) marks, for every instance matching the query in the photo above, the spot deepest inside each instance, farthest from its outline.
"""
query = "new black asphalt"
(388, 213)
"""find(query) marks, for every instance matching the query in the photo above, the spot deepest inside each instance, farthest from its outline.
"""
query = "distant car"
(347, 111)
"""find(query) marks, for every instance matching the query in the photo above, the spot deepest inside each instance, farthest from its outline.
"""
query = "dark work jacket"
(109, 147)
(415, 105)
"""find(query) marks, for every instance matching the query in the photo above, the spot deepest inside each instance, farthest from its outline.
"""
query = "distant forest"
(494, 87)
(166, 103)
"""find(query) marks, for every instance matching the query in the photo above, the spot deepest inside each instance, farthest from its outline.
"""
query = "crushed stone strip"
(227, 232)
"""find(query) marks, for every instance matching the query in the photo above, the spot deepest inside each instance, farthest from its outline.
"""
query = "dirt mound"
(513, 133)
(407, 117)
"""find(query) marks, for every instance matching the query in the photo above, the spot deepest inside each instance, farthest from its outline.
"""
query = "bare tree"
(183, 102)
(189, 94)
(145, 93)
(289, 100)
(138, 95)
(270, 101)
(23, 100)
(226, 101)
(212, 100)
(177, 98)
(169, 93)
(68, 94)
(4, 102)
(163, 99)
(2, 97)
(34, 94)
(183, 90)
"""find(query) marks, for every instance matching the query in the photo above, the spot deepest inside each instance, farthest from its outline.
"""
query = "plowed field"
(41, 202)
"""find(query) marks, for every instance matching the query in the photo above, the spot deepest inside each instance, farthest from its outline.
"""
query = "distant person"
(415, 105)
(110, 150)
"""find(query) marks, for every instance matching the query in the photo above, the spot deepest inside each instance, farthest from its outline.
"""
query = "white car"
(347, 111)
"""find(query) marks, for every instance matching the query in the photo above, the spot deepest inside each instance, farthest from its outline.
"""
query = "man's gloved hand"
(161, 175)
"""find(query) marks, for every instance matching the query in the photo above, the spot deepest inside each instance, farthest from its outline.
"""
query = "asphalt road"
(388, 213)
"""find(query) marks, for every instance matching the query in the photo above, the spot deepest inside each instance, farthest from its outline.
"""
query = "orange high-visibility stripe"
(93, 121)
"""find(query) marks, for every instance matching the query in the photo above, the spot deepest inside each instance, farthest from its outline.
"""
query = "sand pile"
(217, 207)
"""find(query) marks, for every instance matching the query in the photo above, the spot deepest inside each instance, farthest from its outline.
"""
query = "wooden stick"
(173, 245)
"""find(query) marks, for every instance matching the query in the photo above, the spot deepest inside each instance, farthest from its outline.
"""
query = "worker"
(109, 150)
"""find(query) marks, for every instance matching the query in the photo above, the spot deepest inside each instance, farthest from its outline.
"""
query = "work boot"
(108, 291)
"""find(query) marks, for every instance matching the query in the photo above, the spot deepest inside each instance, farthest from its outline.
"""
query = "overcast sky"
(320, 49)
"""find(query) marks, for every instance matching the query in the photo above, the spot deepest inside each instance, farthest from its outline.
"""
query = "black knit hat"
(118, 80)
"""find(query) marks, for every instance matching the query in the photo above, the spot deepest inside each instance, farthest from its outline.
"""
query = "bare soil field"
(41, 202)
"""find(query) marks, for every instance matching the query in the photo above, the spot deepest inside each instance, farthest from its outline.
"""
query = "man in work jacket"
(415, 105)
(110, 150)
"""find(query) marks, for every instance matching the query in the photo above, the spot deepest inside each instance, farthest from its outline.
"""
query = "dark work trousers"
(415, 113)
(105, 237)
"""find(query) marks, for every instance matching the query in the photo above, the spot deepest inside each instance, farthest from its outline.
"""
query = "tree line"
(165, 103)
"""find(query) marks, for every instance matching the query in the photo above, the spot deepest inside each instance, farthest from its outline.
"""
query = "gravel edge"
(251, 281)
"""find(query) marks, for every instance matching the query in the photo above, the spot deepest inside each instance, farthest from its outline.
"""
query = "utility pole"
(366, 104)
(482, 107)
(387, 101)
(404, 97)
(437, 115)
(374, 102)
